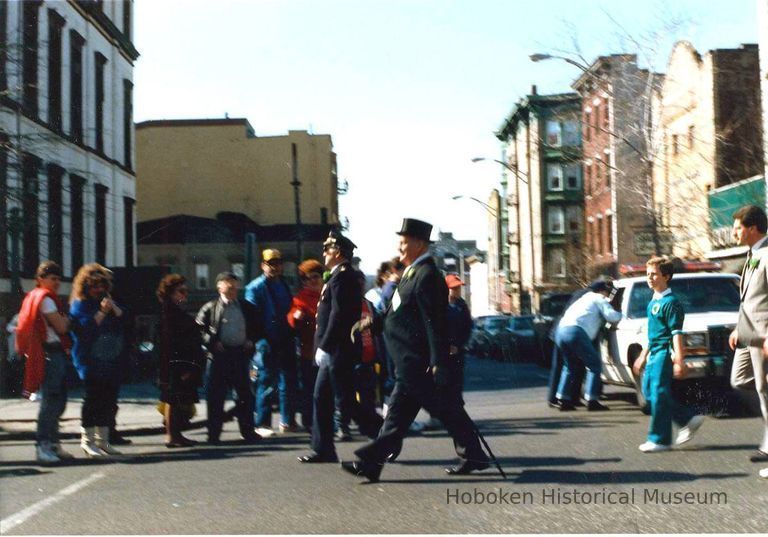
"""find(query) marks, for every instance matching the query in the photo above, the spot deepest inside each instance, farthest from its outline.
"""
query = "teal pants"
(657, 388)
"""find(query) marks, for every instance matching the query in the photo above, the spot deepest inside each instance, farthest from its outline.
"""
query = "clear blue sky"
(410, 90)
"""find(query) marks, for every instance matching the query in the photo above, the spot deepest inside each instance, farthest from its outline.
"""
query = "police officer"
(335, 354)
(416, 335)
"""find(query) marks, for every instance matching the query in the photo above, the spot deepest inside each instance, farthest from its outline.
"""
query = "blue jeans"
(54, 392)
(577, 348)
(280, 367)
(556, 371)
(657, 389)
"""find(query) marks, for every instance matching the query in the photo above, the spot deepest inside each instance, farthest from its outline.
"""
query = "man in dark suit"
(339, 309)
(416, 336)
(229, 327)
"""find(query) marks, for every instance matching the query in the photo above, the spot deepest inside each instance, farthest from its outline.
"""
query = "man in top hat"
(276, 354)
(229, 327)
(415, 332)
(335, 354)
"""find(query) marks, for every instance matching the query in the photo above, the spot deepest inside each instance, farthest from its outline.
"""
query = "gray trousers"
(749, 365)
(54, 392)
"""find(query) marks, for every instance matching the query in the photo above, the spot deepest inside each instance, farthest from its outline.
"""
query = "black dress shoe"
(759, 456)
(370, 471)
(253, 438)
(596, 406)
(180, 443)
(467, 467)
(316, 457)
(566, 406)
(117, 439)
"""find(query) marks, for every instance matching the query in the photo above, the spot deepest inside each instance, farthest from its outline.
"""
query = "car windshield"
(698, 295)
(496, 323)
(521, 323)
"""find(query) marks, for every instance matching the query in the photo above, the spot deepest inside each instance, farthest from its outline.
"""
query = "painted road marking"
(22, 516)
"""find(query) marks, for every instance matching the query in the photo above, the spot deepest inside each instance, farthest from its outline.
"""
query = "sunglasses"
(275, 263)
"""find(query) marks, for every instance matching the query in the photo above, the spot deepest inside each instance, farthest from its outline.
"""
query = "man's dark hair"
(752, 215)
(48, 268)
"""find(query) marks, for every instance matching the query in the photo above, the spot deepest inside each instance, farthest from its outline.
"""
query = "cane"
(490, 453)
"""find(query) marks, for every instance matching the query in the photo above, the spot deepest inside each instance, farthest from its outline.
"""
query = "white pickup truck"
(711, 303)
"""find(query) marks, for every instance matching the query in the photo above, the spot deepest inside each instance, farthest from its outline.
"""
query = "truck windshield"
(698, 295)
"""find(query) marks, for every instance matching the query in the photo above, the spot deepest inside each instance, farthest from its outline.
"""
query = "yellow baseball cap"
(271, 254)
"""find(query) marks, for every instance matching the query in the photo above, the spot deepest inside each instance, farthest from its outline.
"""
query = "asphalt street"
(568, 472)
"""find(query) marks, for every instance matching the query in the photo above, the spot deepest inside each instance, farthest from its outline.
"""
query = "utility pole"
(296, 184)
(15, 225)
(250, 244)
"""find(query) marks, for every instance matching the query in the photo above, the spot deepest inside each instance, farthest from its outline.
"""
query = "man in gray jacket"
(747, 340)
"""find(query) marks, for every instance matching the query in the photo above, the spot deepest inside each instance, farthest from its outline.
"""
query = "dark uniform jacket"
(209, 319)
(340, 306)
(415, 330)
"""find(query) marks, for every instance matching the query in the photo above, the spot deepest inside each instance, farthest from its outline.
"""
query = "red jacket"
(305, 303)
(30, 336)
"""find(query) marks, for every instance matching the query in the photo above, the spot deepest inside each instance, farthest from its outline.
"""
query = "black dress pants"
(405, 403)
(229, 369)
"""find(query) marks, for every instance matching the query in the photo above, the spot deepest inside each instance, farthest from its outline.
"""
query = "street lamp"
(538, 57)
(507, 166)
(487, 207)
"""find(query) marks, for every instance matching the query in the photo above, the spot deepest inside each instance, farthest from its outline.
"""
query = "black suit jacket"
(340, 306)
(415, 330)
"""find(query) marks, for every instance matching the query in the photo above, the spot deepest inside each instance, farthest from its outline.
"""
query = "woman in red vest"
(301, 317)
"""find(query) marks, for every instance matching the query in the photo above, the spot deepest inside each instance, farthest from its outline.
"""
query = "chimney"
(533, 89)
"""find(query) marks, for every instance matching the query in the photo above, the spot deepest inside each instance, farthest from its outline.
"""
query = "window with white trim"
(554, 177)
(572, 179)
(556, 221)
(557, 267)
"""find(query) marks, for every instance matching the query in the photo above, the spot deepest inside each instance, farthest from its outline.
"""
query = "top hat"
(417, 229)
(335, 238)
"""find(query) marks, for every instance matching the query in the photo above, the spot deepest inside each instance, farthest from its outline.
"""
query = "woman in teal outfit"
(664, 355)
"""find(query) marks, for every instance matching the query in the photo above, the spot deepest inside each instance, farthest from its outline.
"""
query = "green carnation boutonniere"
(753, 263)
(326, 276)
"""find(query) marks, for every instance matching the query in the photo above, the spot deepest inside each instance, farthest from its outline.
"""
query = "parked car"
(485, 329)
(711, 304)
(517, 342)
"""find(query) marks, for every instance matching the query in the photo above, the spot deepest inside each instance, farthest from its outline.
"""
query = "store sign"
(725, 201)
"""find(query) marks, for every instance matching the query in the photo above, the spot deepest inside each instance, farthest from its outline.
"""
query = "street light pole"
(518, 239)
(296, 184)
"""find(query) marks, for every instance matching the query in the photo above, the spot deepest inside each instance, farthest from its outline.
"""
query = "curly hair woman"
(98, 341)
(181, 358)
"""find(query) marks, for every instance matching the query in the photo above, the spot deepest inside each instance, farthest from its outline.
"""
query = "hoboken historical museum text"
(574, 496)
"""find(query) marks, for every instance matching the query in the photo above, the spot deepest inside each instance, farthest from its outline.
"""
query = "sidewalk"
(137, 415)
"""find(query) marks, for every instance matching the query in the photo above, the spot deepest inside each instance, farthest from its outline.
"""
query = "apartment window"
(588, 178)
(557, 263)
(127, 18)
(3, 202)
(101, 61)
(323, 215)
(30, 214)
(29, 58)
(553, 133)
(675, 147)
(101, 223)
(573, 216)
(609, 232)
(128, 205)
(554, 177)
(606, 116)
(201, 275)
(598, 115)
(691, 137)
(3, 45)
(55, 28)
(607, 168)
(55, 214)
(76, 43)
(556, 221)
(599, 235)
(127, 121)
(570, 133)
(587, 126)
(76, 188)
(572, 177)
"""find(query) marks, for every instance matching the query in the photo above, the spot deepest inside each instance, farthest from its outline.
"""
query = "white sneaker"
(686, 433)
(46, 455)
(652, 447)
(265, 432)
(60, 453)
(763, 473)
